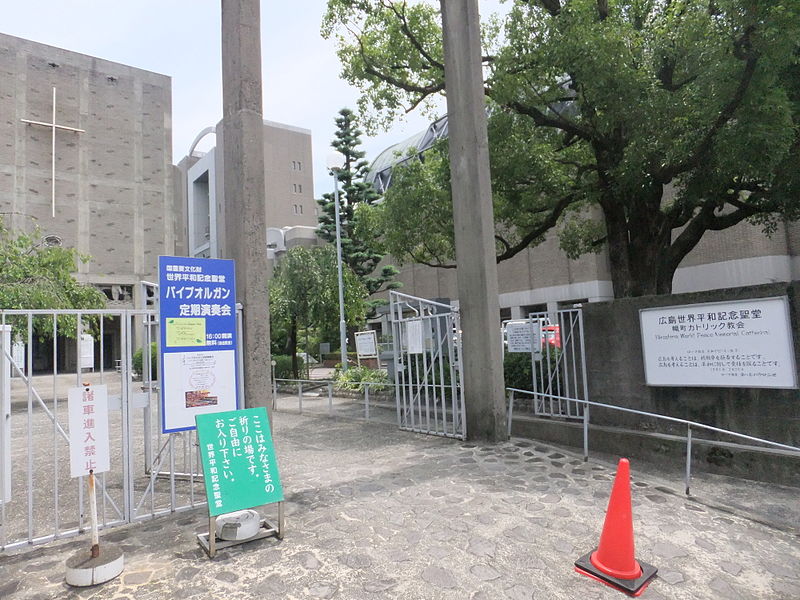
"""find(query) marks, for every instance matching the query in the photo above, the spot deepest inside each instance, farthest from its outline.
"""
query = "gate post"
(473, 221)
(5, 414)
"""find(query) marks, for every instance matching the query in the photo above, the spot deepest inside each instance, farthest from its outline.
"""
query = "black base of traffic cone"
(632, 587)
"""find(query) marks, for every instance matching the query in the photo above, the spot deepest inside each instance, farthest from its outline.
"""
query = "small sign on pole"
(240, 469)
(366, 344)
(88, 430)
(524, 335)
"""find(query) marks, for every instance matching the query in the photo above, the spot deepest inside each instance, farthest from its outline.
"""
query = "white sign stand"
(89, 453)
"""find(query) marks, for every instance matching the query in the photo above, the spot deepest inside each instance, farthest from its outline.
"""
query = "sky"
(181, 38)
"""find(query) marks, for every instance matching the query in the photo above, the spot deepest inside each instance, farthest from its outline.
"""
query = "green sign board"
(239, 462)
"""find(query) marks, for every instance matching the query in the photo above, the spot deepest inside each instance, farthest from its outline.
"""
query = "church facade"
(85, 157)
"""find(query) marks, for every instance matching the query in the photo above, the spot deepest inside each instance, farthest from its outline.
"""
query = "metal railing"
(339, 406)
(775, 448)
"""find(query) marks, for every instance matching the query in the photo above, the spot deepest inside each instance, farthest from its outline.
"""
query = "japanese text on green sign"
(239, 463)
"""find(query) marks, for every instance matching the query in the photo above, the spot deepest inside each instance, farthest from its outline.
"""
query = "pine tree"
(361, 255)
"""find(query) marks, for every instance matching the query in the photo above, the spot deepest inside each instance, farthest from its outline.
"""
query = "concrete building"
(544, 279)
(101, 180)
(86, 156)
(289, 196)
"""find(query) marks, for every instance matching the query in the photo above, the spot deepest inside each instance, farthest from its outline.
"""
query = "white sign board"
(415, 341)
(366, 344)
(88, 430)
(197, 383)
(524, 336)
(744, 343)
(87, 351)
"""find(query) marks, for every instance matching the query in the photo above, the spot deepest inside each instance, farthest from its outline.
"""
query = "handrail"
(794, 450)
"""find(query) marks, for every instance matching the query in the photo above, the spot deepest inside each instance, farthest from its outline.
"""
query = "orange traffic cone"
(614, 563)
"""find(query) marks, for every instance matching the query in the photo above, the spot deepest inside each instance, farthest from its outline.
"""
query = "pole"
(93, 512)
(473, 222)
(342, 324)
(244, 214)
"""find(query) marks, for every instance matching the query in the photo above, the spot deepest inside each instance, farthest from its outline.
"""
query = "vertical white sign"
(88, 430)
(87, 351)
(415, 342)
(5, 414)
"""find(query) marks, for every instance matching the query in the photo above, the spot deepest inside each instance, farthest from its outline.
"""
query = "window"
(294, 165)
(299, 166)
(294, 188)
(297, 209)
(300, 208)
(299, 188)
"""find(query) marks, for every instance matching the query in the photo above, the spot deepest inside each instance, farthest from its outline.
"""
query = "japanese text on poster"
(198, 339)
(745, 343)
(239, 463)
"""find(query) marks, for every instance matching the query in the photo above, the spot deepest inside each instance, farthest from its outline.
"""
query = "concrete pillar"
(474, 222)
(245, 209)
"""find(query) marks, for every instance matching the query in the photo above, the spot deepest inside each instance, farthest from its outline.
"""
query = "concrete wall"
(114, 182)
(616, 376)
(616, 370)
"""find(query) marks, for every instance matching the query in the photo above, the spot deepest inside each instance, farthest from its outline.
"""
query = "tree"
(304, 292)
(665, 119)
(35, 275)
(361, 254)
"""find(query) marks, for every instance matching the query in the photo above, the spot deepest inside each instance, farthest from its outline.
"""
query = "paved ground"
(373, 512)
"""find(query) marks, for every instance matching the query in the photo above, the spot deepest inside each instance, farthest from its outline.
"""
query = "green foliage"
(354, 378)
(518, 369)
(304, 292)
(138, 361)
(34, 275)
(635, 126)
(360, 252)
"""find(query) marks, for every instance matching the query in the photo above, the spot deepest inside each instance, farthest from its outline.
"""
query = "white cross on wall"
(53, 126)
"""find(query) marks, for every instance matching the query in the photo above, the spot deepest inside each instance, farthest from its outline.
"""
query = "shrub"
(283, 366)
(353, 378)
(138, 361)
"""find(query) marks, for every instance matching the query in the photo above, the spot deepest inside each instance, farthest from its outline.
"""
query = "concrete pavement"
(373, 512)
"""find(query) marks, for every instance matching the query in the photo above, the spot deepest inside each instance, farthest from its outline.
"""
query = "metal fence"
(774, 448)
(151, 473)
(369, 401)
(559, 372)
(427, 366)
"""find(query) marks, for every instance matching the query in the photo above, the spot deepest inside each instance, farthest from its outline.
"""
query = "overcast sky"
(181, 38)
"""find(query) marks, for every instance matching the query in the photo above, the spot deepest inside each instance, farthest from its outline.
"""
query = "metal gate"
(151, 473)
(559, 371)
(427, 366)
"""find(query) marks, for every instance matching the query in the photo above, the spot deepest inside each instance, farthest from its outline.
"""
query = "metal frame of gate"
(428, 388)
(151, 473)
(559, 375)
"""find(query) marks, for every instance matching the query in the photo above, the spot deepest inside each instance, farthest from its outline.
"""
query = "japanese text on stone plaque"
(745, 343)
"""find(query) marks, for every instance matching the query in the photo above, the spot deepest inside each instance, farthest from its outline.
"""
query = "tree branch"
(543, 120)
(666, 174)
(548, 223)
(404, 27)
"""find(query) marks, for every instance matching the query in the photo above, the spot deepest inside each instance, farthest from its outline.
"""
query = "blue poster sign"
(197, 315)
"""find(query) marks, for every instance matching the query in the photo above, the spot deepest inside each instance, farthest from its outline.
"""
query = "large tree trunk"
(640, 252)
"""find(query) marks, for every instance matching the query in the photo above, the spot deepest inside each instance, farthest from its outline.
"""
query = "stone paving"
(373, 512)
